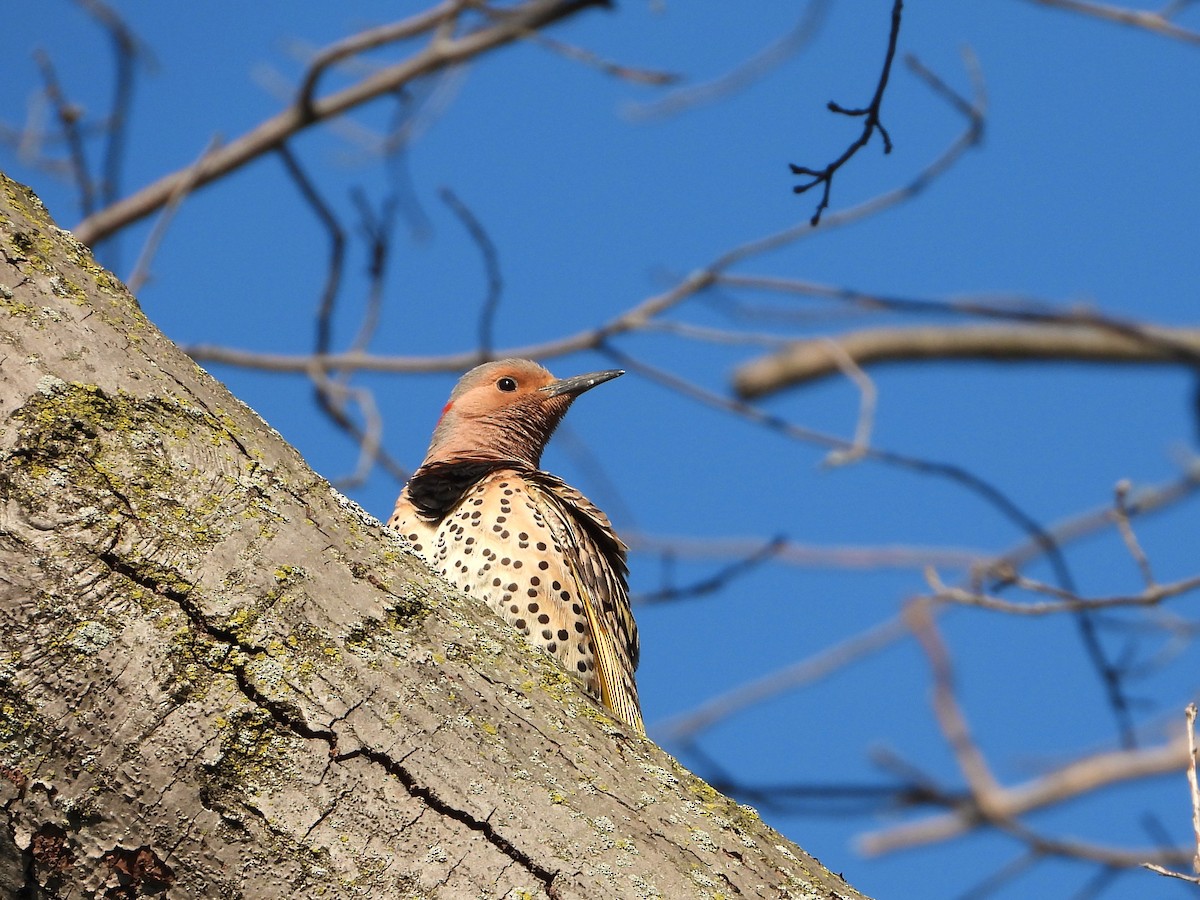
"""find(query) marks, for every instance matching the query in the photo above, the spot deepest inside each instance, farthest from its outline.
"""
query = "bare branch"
(630, 320)
(1069, 602)
(813, 668)
(686, 726)
(373, 39)
(808, 361)
(741, 77)
(438, 54)
(810, 555)
(1072, 780)
(1156, 22)
(951, 719)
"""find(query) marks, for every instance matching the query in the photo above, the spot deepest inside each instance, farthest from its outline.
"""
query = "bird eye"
(507, 384)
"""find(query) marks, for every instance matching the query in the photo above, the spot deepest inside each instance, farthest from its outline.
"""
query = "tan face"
(496, 386)
(506, 409)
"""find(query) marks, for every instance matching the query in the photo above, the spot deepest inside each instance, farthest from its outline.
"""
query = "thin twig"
(1069, 602)
(743, 75)
(140, 273)
(1002, 876)
(337, 248)
(868, 396)
(69, 116)
(971, 137)
(715, 582)
(378, 230)
(1121, 514)
(634, 74)
(1171, 873)
(872, 123)
(128, 50)
(491, 265)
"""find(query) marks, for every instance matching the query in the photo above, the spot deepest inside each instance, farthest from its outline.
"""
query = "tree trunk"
(220, 678)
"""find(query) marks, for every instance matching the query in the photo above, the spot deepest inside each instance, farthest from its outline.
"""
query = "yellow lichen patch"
(20, 723)
(256, 754)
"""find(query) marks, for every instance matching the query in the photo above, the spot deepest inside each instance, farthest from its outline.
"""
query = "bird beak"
(580, 383)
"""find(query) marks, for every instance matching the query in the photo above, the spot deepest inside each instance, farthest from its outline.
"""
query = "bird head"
(506, 409)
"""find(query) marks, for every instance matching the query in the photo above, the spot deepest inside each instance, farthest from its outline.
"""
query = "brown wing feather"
(597, 559)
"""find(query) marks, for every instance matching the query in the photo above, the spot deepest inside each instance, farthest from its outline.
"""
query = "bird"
(481, 512)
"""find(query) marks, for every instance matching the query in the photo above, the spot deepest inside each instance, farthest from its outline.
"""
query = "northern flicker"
(481, 512)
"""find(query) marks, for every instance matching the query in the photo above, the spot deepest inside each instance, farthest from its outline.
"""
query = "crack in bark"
(193, 393)
(281, 712)
(482, 826)
(284, 715)
(329, 812)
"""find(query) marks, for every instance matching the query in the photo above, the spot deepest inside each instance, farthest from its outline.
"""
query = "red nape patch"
(445, 409)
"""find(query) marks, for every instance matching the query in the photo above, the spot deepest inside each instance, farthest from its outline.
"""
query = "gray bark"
(219, 678)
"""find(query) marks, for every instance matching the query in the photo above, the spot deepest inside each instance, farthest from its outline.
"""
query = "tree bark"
(220, 678)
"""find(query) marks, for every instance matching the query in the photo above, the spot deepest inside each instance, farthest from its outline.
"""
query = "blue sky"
(1085, 191)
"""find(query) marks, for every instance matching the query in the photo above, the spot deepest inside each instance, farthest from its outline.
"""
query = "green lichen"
(197, 661)
(372, 634)
(304, 651)
(116, 450)
(22, 728)
(256, 755)
(35, 243)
